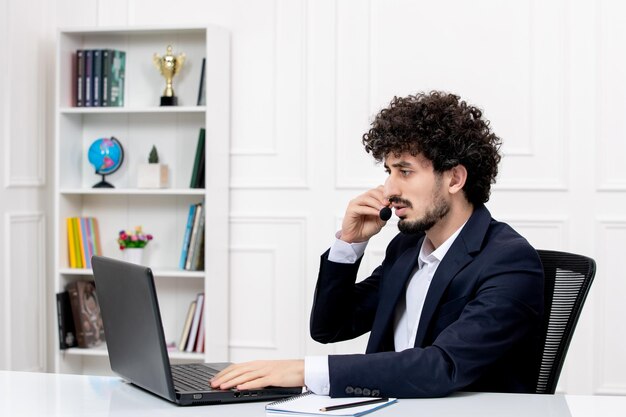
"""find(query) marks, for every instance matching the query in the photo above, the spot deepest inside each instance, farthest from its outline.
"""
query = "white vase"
(133, 255)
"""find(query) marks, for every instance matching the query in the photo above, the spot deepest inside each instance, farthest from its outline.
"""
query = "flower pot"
(152, 176)
(133, 255)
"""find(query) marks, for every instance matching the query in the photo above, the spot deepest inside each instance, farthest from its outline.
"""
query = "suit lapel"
(396, 280)
(460, 254)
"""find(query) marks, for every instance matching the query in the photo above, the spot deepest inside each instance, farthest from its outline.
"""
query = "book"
(88, 77)
(67, 331)
(106, 74)
(201, 88)
(182, 343)
(197, 261)
(193, 330)
(116, 77)
(77, 245)
(71, 250)
(84, 242)
(86, 313)
(96, 235)
(187, 236)
(197, 252)
(309, 404)
(97, 78)
(200, 339)
(196, 178)
(80, 78)
(194, 235)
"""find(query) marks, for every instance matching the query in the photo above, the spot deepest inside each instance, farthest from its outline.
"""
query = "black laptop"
(136, 343)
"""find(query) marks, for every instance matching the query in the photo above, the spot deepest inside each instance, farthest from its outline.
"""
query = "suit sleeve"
(503, 312)
(342, 310)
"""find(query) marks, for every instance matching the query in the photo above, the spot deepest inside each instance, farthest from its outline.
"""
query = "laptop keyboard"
(192, 377)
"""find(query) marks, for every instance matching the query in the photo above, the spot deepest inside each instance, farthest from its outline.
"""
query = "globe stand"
(103, 183)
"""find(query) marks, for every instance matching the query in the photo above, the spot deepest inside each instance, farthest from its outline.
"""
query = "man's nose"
(390, 188)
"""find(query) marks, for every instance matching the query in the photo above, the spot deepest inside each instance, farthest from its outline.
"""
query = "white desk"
(37, 394)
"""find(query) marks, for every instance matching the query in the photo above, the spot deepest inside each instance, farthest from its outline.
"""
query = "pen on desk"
(357, 404)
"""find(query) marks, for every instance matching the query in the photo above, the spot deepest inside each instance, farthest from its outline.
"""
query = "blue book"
(183, 254)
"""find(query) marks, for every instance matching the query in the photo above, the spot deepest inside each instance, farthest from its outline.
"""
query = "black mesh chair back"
(567, 281)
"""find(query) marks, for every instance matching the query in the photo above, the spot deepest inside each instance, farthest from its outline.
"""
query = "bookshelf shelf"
(101, 351)
(134, 191)
(162, 212)
(135, 110)
(158, 273)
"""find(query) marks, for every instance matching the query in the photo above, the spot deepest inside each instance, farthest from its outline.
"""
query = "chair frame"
(575, 275)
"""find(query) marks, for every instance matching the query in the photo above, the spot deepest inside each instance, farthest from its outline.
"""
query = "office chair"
(567, 281)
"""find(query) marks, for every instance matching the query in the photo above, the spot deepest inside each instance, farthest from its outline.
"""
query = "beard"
(434, 213)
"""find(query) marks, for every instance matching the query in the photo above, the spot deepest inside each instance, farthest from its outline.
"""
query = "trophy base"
(169, 101)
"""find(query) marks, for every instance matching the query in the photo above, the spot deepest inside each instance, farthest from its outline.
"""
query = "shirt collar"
(428, 254)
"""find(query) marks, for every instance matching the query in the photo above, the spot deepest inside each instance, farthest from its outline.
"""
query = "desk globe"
(106, 155)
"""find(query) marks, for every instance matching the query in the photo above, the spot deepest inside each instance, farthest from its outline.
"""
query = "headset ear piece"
(385, 213)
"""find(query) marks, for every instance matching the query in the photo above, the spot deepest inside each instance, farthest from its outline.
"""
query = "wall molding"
(39, 262)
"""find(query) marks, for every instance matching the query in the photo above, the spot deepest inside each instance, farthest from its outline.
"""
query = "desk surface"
(38, 394)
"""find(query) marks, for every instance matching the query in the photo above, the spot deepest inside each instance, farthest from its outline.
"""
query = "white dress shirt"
(408, 311)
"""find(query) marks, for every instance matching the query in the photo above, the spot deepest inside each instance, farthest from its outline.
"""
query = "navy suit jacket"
(480, 324)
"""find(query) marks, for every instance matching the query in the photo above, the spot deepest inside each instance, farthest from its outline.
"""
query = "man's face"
(415, 191)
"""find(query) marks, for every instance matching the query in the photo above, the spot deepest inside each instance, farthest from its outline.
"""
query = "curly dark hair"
(446, 131)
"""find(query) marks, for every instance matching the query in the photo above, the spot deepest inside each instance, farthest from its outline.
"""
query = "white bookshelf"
(139, 125)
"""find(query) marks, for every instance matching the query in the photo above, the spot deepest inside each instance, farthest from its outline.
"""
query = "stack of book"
(192, 337)
(83, 241)
(192, 254)
(79, 318)
(100, 77)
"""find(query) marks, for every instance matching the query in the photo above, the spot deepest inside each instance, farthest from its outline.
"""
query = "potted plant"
(132, 244)
(153, 174)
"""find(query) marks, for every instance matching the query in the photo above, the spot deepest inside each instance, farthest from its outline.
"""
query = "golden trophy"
(169, 65)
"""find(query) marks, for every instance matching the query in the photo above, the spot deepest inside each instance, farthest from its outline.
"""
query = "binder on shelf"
(197, 177)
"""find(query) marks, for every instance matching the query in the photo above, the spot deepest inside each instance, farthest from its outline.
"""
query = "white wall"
(307, 76)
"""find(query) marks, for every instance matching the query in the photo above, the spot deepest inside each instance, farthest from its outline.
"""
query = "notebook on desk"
(136, 342)
(309, 404)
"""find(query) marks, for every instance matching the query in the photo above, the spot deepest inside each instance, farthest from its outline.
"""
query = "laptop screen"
(132, 325)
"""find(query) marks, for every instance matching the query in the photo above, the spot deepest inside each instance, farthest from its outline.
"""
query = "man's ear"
(458, 176)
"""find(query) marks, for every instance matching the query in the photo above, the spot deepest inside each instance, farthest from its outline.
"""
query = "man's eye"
(404, 172)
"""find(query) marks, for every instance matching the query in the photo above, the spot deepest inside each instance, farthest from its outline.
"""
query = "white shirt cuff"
(316, 375)
(346, 253)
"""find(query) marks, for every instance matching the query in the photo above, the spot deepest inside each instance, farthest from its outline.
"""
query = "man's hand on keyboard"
(260, 374)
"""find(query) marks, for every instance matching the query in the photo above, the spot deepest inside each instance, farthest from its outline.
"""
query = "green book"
(196, 180)
(116, 78)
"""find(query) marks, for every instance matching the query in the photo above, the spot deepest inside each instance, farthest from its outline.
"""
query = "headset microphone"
(385, 213)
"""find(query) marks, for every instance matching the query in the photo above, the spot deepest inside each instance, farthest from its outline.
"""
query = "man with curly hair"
(457, 303)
